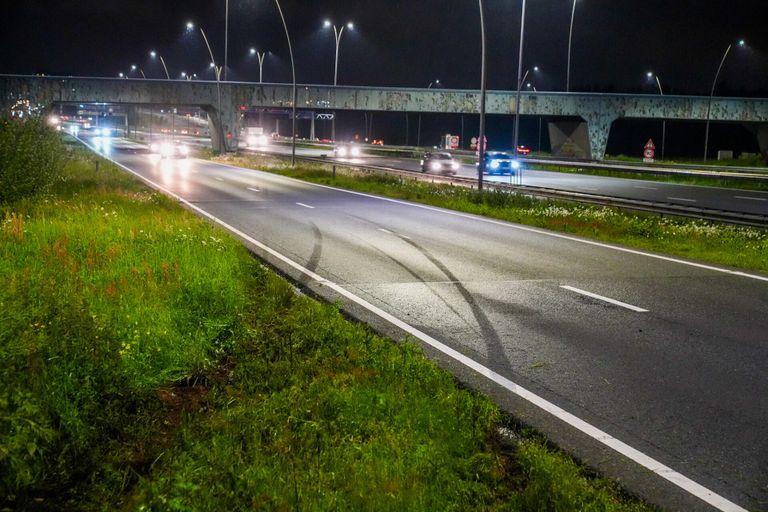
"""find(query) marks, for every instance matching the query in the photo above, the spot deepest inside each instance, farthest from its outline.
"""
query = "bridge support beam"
(762, 140)
(578, 139)
(224, 127)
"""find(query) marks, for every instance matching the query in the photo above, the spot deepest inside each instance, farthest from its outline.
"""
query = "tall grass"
(107, 295)
(147, 362)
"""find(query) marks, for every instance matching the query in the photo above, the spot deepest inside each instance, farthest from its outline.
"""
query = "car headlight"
(435, 166)
(154, 148)
(342, 152)
(455, 165)
(355, 151)
(421, 162)
(106, 132)
(184, 150)
(251, 140)
(167, 149)
(495, 164)
(515, 164)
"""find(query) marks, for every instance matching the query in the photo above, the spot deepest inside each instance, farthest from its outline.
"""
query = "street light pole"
(481, 135)
(418, 128)
(293, 71)
(217, 70)
(712, 93)
(570, 39)
(154, 54)
(226, 37)
(664, 122)
(337, 35)
(519, 86)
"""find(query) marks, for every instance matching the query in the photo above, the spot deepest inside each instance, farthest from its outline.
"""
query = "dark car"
(440, 162)
(500, 163)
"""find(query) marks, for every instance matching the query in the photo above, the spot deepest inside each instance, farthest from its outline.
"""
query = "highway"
(665, 356)
(734, 200)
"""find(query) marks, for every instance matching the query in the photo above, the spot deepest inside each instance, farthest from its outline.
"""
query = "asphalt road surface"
(733, 200)
(666, 356)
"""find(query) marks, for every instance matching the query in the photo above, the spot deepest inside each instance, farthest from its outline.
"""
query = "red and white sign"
(451, 141)
(649, 151)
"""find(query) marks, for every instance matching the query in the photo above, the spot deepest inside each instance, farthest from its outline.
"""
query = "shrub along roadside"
(148, 362)
(722, 244)
(31, 155)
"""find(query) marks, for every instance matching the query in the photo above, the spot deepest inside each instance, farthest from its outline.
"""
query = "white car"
(169, 149)
(256, 141)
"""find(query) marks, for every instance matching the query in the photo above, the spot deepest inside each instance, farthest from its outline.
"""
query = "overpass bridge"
(583, 120)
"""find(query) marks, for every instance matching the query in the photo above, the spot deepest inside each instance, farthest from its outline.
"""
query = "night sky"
(404, 42)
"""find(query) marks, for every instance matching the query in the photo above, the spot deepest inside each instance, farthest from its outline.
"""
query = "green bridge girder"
(223, 101)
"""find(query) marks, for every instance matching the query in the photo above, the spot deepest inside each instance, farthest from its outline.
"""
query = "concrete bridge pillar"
(762, 140)
(578, 139)
(599, 126)
(224, 127)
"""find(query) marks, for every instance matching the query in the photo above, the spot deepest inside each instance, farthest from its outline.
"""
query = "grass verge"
(148, 362)
(722, 244)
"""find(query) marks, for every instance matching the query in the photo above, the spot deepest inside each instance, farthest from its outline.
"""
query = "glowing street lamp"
(337, 32)
(741, 43)
(154, 55)
(260, 56)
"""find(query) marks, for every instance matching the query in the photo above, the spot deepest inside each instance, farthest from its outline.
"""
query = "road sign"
(649, 151)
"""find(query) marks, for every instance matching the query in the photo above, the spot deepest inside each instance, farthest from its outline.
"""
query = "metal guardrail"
(655, 207)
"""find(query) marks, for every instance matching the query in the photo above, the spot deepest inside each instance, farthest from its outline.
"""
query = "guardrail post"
(334, 171)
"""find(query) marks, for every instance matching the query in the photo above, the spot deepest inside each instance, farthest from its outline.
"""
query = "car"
(523, 150)
(347, 151)
(256, 141)
(169, 149)
(497, 162)
(440, 162)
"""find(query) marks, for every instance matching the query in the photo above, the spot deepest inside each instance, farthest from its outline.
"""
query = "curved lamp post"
(570, 39)
(481, 135)
(337, 32)
(217, 69)
(664, 122)
(741, 43)
(436, 83)
(519, 85)
(154, 54)
(293, 71)
(259, 55)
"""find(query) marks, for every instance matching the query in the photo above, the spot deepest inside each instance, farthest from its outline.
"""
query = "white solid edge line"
(751, 198)
(306, 206)
(637, 456)
(605, 299)
(682, 199)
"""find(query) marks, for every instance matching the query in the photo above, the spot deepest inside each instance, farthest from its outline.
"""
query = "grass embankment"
(722, 244)
(148, 362)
